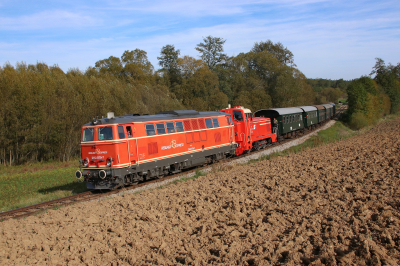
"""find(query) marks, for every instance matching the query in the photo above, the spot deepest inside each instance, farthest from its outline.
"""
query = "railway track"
(92, 195)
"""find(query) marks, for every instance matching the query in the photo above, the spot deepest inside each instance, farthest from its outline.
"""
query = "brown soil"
(335, 205)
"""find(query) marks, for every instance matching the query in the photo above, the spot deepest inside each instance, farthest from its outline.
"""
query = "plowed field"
(334, 205)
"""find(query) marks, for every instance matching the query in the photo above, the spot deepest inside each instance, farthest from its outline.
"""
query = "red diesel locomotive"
(117, 151)
(251, 133)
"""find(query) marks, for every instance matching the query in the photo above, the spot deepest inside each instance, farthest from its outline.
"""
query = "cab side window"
(150, 130)
(237, 115)
(129, 131)
(121, 132)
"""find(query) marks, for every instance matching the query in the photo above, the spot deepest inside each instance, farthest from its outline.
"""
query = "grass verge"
(30, 184)
(332, 134)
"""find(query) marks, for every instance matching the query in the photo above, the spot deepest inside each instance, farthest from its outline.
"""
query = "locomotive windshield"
(105, 133)
(88, 134)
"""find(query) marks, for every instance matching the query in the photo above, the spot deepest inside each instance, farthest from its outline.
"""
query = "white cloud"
(47, 19)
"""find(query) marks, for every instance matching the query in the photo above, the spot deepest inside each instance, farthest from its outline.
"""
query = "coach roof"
(279, 111)
(166, 115)
(308, 108)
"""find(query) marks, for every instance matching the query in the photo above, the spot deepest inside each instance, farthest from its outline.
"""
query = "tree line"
(44, 108)
(370, 97)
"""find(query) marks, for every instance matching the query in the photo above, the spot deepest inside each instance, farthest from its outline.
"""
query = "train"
(124, 150)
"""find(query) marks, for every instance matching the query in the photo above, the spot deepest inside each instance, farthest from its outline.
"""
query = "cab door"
(132, 143)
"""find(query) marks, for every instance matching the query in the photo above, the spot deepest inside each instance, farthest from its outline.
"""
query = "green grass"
(343, 100)
(34, 183)
(196, 175)
(334, 133)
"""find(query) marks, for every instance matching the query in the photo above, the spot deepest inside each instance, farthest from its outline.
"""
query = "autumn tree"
(277, 49)
(388, 77)
(211, 51)
(111, 65)
(168, 62)
(136, 64)
(199, 87)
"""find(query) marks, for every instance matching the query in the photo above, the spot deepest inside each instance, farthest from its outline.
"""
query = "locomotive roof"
(308, 108)
(279, 111)
(332, 104)
(166, 115)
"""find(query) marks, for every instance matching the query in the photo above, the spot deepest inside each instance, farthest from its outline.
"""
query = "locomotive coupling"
(78, 174)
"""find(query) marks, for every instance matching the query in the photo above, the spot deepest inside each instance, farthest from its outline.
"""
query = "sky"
(329, 39)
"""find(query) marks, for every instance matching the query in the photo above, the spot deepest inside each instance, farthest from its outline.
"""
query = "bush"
(358, 120)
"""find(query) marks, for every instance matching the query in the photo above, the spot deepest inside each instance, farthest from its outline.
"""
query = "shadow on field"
(75, 188)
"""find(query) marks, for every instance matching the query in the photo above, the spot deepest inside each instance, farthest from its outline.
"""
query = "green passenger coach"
(284, 120)
(329, 110)
(321, 113)
(310, 116)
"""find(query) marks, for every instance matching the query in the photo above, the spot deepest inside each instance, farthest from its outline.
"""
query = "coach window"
(160, 128)
(105, 133)
(179, 126)
(237, 115)
(121, 132)
(150, 130)
(215, 122)
(88, 134)
(170, 127)
(209, 123)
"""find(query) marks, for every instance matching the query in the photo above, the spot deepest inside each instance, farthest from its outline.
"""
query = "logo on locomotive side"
(172, 145)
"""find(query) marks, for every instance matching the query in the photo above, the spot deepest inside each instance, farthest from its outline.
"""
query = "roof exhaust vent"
(110, 115)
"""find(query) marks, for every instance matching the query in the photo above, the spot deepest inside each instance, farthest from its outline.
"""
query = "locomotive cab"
(104, 149)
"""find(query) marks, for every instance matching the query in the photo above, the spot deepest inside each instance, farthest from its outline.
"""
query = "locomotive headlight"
(78, 174)
(109, 161)
(85, 162)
